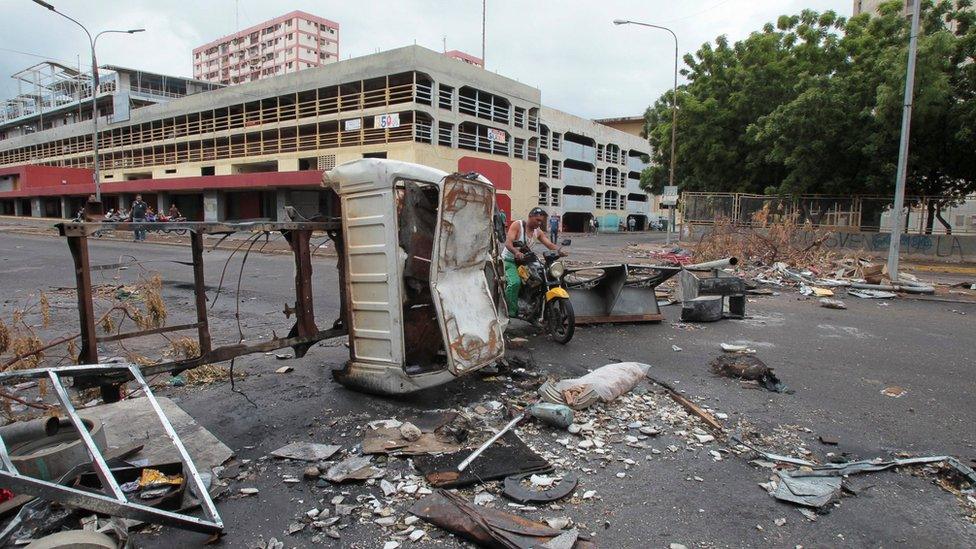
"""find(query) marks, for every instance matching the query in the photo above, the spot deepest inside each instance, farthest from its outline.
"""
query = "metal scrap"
(488, 527)
(516, 492)
(306, 451)
(507, 456)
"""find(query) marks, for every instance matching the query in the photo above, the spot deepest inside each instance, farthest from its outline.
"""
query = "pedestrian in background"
(138, 213)
(631, 223)
(554, 228)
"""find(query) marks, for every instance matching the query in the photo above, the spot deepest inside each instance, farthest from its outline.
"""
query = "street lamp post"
(94, 89)
(674, 109)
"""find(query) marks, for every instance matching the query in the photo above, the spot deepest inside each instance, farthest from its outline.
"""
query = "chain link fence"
(845, 213)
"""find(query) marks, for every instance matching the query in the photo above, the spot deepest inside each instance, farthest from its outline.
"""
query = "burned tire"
(561, 320)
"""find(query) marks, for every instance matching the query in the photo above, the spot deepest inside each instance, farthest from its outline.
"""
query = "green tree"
(814, 106)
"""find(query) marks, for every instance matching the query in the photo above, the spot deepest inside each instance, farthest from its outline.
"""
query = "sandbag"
(601, 385)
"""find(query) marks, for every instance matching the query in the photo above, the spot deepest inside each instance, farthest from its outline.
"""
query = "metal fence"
(850, 213)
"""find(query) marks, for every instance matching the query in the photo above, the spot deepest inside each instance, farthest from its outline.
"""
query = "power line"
(48, 57)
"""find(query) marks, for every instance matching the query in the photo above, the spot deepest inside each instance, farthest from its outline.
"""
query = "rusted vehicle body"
(418, 266)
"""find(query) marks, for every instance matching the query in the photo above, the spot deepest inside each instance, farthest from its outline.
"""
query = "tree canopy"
(813, 104)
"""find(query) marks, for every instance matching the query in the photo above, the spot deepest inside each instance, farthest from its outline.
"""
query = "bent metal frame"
(302, 336)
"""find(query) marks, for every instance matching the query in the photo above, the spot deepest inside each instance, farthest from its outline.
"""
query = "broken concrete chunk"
(306, 451)
(410, 432)
(353, 468)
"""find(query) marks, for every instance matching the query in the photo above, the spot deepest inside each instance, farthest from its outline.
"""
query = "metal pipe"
(474, 455)
(23, 431)
(717, 264)
(899, 287)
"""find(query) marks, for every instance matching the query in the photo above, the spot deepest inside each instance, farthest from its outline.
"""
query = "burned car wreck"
(421, 294)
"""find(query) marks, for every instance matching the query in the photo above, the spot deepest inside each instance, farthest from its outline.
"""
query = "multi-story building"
(248, 151)
(54, 95)
(290, 43)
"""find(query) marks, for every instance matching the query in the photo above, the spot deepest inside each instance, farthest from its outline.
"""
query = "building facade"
(248, 151)
(53, 95)
(290, 43)
(465, 58)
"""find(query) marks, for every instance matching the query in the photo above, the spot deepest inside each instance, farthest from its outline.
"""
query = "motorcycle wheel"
(562, 320)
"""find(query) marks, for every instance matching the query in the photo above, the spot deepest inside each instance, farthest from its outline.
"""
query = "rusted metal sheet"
(462, 247)
(603, 294)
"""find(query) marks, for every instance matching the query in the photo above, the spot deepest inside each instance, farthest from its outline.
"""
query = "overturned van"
(418, 264)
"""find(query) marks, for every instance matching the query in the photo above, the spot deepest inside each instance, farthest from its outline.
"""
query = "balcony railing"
(543, 198)
(483, 109)
(580, 152)
(579, 178)
(481, 143)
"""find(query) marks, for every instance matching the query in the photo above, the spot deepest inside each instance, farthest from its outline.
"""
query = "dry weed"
(4, 337)
(185, 347)
(26, 345)
(773, 237)
(155, 316)
(210, 373)
(45, 310)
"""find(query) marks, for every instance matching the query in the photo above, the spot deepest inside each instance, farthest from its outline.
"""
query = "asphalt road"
(836, 362)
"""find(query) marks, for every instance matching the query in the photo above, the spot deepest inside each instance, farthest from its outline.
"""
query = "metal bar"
(208, 505)
(203, 227)
(162, 330)
(8, 465)
(86, 311)
(200, 293)
(474, 455)
(304, 312)
(103, 504)
(109, 485)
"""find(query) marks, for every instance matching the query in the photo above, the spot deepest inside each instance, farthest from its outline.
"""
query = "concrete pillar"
(37, 208)
(213, 206)
(18, 207)
(125, 201)
(66, 212)
(163, 201)
(288, 165)
(223, 169)
(281, 200)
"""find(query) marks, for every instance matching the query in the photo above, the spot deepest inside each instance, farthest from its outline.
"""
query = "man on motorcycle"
(529, 231)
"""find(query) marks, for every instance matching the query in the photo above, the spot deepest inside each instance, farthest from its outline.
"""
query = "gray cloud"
(569, 49)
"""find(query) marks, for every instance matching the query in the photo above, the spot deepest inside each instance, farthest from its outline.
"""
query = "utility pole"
(484, 11)
(906, 125)
(96, 175)
(674, 117)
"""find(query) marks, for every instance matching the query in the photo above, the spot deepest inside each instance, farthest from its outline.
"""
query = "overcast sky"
(569, 49)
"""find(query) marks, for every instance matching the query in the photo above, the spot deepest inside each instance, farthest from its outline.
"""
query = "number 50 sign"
(387, 121)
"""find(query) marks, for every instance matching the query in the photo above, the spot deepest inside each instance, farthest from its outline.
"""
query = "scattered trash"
(601, 385)
(749, 368)
(306, 451)
(353, 468)
(488, 527)
(508, 456)
(676, 349)
(391, 441)
(730, 348)
(557, 415)
(828, 440)
(515, 491)
(894, 391)
(688, 405)
(284, 370)
(832, 303)
(871, 294)
(807, 490)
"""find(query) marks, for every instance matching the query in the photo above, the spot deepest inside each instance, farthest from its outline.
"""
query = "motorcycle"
(543, 299)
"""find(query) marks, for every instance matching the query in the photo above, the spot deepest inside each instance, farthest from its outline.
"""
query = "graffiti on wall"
(939, 245)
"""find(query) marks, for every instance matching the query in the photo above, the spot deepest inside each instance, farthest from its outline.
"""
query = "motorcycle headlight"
(557, 269)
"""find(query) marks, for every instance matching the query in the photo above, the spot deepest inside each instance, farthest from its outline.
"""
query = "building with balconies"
(286, 44)
(592, 170)
(250, 150)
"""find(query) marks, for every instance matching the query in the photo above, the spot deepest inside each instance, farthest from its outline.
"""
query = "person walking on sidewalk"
(554, 228)
(138, 212)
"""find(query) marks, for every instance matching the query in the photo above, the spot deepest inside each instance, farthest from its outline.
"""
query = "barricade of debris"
(773, 256)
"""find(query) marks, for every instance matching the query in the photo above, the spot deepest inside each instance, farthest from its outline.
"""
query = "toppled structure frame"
(114, 501)
(304, 333)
